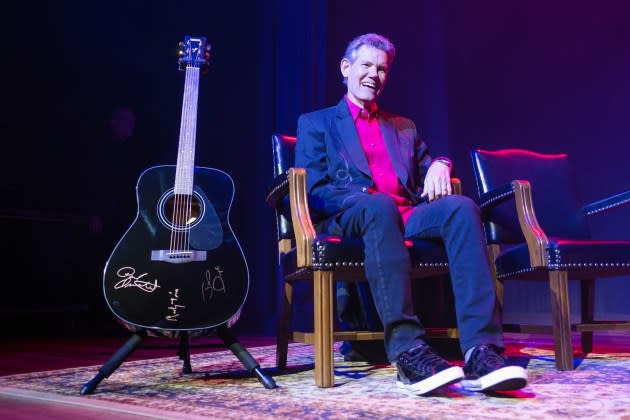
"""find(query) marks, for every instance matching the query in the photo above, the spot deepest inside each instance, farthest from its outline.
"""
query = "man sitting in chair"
(369, 175)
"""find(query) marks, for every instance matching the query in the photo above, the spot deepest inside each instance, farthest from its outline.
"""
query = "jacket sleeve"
(422, 160)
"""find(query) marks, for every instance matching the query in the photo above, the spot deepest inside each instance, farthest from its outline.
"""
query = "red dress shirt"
(383, 172)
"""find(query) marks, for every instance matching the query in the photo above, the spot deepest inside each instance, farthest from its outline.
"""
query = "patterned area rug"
(220, 388)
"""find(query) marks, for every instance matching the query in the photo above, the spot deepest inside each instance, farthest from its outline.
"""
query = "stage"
(42, 378)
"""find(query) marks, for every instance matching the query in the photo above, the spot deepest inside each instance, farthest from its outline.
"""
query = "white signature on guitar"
(129, 279)
(211, 284)
(175, 307)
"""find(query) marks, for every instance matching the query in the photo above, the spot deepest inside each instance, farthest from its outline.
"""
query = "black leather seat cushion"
(580, 256)
(331, 252)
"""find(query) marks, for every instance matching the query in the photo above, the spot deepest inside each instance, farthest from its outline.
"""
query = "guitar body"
(167, 276)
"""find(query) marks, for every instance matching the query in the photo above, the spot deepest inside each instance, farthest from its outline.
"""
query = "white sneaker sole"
(443, 378)
(504, 379)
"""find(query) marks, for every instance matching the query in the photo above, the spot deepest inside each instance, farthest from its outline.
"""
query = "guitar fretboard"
(186, 153)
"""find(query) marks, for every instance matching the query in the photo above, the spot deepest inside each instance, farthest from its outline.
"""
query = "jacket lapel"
(391, 141)
(347, 136)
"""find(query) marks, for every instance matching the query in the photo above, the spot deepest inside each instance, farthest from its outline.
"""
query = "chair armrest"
(496, 196)
(278, 190)
(536, 238)
(456, 185)
(300, 217)
(521, 192)
(607, 203)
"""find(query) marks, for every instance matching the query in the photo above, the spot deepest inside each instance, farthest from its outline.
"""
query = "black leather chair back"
(283, 147)
(558, 207)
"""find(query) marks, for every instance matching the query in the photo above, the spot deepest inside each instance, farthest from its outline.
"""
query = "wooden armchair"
(305, 255)
(537, 229)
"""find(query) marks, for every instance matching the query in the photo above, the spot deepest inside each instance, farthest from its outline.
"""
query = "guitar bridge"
(177, 257)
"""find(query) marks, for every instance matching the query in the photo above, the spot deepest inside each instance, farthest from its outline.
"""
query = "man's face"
(366, 75)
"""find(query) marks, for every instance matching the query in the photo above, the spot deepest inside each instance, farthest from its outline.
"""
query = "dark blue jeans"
(454, 220)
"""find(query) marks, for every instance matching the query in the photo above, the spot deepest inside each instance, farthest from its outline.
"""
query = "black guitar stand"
(222, 332)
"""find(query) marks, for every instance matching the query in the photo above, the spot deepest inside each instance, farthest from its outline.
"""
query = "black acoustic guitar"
(179, 267)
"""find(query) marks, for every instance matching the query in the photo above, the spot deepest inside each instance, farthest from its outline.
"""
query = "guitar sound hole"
(181, 211)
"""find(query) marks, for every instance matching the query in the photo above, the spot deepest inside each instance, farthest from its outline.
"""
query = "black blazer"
(328, 147)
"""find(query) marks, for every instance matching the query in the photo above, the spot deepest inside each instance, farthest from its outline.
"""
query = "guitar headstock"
(193, 52)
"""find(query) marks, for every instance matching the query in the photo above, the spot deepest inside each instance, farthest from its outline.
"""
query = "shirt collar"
(357, 112)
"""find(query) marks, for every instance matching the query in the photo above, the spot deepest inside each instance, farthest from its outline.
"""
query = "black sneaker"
(486, 370)
(421, 371)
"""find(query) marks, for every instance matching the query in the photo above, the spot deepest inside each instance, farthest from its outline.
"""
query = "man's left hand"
(437, 182)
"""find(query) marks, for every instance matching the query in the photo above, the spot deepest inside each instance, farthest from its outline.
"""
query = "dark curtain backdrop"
(550, 76)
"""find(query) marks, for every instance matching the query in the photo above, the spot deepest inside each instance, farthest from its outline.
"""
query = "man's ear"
(344, 66)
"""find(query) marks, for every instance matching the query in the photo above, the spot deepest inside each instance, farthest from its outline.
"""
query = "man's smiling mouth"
(370, 85)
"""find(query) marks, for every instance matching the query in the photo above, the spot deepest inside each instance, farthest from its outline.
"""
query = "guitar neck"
(186, 152)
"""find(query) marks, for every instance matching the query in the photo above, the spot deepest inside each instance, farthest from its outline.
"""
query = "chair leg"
(561, 319)
(284, 324)
(587, 291)
(493, 253)
(323, 328)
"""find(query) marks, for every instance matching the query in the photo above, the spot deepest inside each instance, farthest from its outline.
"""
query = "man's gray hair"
(372, 40)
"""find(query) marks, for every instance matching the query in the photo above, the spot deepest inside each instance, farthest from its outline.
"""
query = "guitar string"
(184, 140)
(183, 197)
(191, 144)
(177, 192)
(175, 215)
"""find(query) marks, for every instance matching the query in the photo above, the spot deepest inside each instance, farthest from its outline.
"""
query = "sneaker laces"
(489, 358)
(423, 358)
